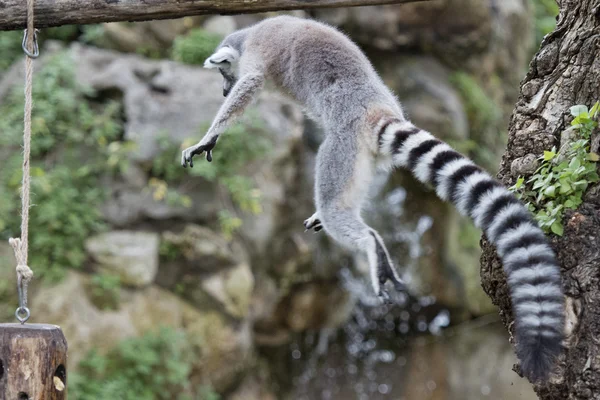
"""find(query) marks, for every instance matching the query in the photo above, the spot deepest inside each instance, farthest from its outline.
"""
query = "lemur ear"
(225, 54)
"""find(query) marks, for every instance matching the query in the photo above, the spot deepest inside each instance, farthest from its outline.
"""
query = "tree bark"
(48, 13)
(564, 72)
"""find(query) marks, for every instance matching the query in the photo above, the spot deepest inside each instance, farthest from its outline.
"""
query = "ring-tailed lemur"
(365, 127)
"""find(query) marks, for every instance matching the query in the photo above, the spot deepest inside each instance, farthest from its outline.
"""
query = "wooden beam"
(64, 12)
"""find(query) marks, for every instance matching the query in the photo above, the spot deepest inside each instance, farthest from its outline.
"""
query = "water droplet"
(296, 354)
(486, 390)
(431, 385)
(403, 328)
(383, 389)
(387, 356)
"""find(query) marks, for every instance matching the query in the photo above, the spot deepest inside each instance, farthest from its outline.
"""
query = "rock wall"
(255, 299)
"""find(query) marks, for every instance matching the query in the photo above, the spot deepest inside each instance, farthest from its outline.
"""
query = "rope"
(21, 245)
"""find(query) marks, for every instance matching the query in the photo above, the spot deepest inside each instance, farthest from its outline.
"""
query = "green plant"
(229, 223)
(10, 42)
(10, 48)
(168, 250)
(484, 116)
(225, 169)
(195, 47)
(93, 34)
(563, 177)
(481, 109)
(156, 366)
(105, 291)
(545, 17)
(71, 135)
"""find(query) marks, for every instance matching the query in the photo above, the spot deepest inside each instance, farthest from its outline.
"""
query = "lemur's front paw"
(188, 154)
(313, 223)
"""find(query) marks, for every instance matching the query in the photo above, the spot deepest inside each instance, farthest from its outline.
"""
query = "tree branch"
(64, 12)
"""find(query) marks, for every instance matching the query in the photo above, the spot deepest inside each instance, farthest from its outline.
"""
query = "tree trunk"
(564, 72)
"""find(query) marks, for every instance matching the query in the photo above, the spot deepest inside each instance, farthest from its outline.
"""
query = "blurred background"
(201, 284)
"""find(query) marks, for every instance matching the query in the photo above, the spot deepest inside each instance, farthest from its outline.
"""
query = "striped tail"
(529, 263)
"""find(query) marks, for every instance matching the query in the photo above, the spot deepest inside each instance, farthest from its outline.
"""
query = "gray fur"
(365, 126)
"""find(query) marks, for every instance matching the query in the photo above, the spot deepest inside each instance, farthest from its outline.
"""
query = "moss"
(105, 291)
(155, 366)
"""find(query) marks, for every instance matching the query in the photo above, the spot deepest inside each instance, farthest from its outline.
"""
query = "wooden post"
(33, 362)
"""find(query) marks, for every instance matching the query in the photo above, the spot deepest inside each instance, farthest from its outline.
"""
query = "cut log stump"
(33, 362)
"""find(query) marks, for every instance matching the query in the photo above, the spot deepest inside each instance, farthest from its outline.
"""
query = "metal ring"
(36, 50)
(22, 311)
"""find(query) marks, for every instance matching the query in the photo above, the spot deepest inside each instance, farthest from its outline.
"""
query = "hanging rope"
(20, 245)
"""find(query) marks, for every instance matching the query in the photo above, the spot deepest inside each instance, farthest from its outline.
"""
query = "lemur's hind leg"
(343, 175)
(239, 98)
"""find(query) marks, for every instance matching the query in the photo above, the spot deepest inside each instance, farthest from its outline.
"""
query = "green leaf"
(593, 157)
(550, 191)
(565, 187)
(578, 110)
(519, 183)
(575, 163)
(549, 155)
(595, 109)
(557, 228)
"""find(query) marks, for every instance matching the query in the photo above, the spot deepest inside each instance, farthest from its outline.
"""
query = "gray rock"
(225, 348)
(160, 97)
(428, 97)
(205, 247)
(222, 25)
(166, 98)
(133, 255)
(467, 354)
(232, 288)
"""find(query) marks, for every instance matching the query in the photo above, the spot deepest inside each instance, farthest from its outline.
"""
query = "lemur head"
(224, 59)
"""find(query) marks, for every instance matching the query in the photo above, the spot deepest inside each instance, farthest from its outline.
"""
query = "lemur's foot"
(313, 223)
(385, 272)
(384, 296)
(188, 154)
